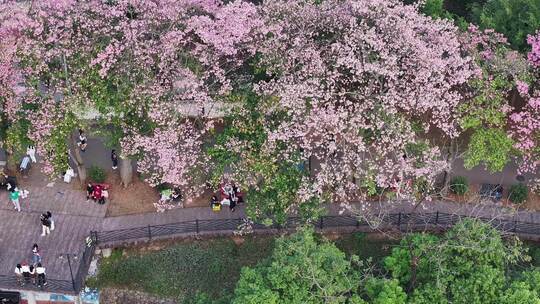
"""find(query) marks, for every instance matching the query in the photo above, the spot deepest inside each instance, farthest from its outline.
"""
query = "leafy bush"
(514, 18)
(459, 185)
(97, 174)
(162, 187)
(518, 193)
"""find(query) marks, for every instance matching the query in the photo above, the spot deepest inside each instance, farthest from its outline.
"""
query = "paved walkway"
(74, 219)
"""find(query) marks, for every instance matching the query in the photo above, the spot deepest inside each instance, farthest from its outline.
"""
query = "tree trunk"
(81, 169)
(79, 162)
(11, 163)
(126, 171)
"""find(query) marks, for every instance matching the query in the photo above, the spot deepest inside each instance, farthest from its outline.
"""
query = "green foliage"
(513, 18)
(199, 272)
(492, 147)
(414, 245)
(384, 291)
(276, 192)
(466, 265)
(469, 264)
(57, 143)
(435, 9)
(459, 185)
(301, 270)
(518, 193)
(520, 293)
(97, 174)
(16, 139)
(484, 110)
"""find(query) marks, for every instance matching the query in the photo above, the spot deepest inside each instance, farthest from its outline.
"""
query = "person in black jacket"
(114, 158)
(89, 192)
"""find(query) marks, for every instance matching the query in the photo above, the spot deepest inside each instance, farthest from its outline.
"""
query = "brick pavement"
(74, 219)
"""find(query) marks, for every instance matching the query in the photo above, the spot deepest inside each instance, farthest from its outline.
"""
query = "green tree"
(492, 147)
(303, 270)
(514, 18)
(520, 293)
(384, 291)
(467, 265)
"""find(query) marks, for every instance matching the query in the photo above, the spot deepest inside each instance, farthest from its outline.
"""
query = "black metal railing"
(86, 259)
(395, 220)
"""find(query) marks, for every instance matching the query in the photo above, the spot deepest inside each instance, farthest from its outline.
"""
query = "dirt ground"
(139, 197)
(136, 198)
(532, 203)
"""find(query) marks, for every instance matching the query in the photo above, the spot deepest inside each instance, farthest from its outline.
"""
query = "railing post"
(321, 222)
(95, 234)
(71, 273)
(515, 225)
(437, 218)
(399, 220)
(197, 225)
(357, 223)
(149, 233)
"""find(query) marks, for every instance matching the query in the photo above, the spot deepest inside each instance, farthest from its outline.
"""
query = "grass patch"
(365, 246)
(184, 271)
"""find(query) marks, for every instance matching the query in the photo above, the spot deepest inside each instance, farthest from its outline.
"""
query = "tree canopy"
(470, 263)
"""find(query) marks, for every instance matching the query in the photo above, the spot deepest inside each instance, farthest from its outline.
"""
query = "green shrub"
(459, 185)
(97, 174)
(515, 19)
(162, 187)
(518, 193)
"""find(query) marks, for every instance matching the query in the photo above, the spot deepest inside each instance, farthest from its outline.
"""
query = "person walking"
(14, 196)
(19, 274)
(40, 273)
(45, 225)
(114, 158)
(49, 216)
(82, 143)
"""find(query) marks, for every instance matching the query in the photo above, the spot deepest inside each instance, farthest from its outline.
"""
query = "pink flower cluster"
(534, 54)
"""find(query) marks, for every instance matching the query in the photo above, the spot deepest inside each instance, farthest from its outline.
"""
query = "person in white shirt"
(25, 269)
(31, 151)
(40, 272)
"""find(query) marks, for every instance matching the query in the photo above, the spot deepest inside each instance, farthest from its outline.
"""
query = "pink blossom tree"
(353, 87)
(147, 66)
(525, 125)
